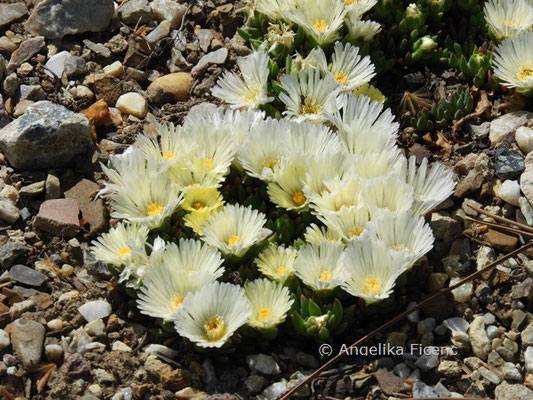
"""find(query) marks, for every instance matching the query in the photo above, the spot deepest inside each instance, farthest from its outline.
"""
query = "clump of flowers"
(508, 18)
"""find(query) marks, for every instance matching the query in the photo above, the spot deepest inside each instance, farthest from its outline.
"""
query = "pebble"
(165, 351)
(8, 211)
(11, 252)
(510, 192)
(121, 346)
(161, 31)
(4, 340)
(11, 12)
(493, 332)
(444, 227)
(422, 391)
(500, 241)
(27, 276)
(464, 292)
(475, 178)
(510, 372)
(215, 57)
(507, 391)
(135, 11)
(95, 309)
(427, 362)
(168, 10)
(9, 192)
(25, 51)
(273, 391)
(93, 211)
(95, 328)
(528, 359)
(526, 209)
(171, 87)
(402, 370)
(97, 48)
(489, 375)
(509, 164)
(254, 383)
(524, 139)
(478, 338)
(500, 127)
(449, 369)
(133, 104)
(262, 363)
(77, 16)
(28, 337)
(53, 352)
(426, 326)
(59, 217)
(103, 377)
(74, 365)
(55, 324)
(95, 389)
(75, 66)
(56, 64)
(115, 69)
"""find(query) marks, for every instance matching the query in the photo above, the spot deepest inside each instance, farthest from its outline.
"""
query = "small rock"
(161, 31)
(92, 211)
(54, 19)
(156, 368)
(422, 391)
(526, 179)
(466, 164)
(25, 51)
(56, 64)
(480, 132)
(427, 362)
(55, 325)
(510, 192)
(388, 382)
(524, 138)
(274, 391)
(96, 390)
(262, 363)
(135, 11)
(507, 391)
(426, 326)
(165, 351)
(116, 69)
(489, 375)
(52, 187)
(59, 217)
(509, 164)
(523, 289)
(168, 10)
(478, 338)
(11, 12)
(32, 92)
(171, 87)
(95, 328)
(254, 383)
(176, 380)
(121, 346)
(53, 352)
(74, 366)
(21, 107)
(510, 372)
(475, 178)
(133, 104)
(215, 57)
(527, 335)
(528, 359)
(4, 340)
(28, 337)
(500, 127)
(97, 48)
(500, 241)
(12, 252)
(103, 377)
(402, 370)
(8, 211)
(484, 293)
(95, 309)
(33, 189)
(444, 227)
(526, 209)
(449, 369)
(75, 66)
(463, 293)
(27, 276)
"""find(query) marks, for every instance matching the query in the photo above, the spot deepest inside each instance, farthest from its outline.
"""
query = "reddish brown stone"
(500, 241)
(59, 217)
(93, 211)
(176, 379)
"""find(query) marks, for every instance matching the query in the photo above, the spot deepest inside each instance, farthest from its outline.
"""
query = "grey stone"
(526, 179)
(32, 189)
(10, 84)
(509, 164)
(507, 391)
(422, 391)
(4, 340)
(254, 383)
(449, 369)
(135, 10)
(74, 365)
(11, 252)
(475, 178)
(478, 338)
(103, 377)
(46, 136)
(8, 211)
(489, 375)
(484, 293)
(52, 187)
(427, 362)
(528, 359)
(527, 335)
(32, 92)
(519, 318)
(274, 391)
(480, 131)
(263, 363)
(54, 19)
(526, 209)
(402, 370)
(510, 372)
(75, 65)
(500, 127)
(11, 12)
(95, 309)
(27, 276)
(215, 57)
(444, 227)
(24, 52)
(441, 390)
(97, 48)
(28, 338)
(56, 64)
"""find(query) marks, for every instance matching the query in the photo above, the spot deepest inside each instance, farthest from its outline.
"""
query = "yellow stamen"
(167, 155)
(298, 198)
(264, 313)
(208, 163)
(325, 276)
(320, 25)
(348, 2)
(124, 251)
(176, 302)
(271, 164)
(198, 205)
(233, 240)
(281, 270)
(356, 232)
(215, 329)
(310, 107)
(154, 209)
(399, 247)
(510, 24)
(372, 285)
(525, 72)
(341, 78)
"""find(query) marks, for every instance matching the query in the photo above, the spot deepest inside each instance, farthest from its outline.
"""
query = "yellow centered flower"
(167, 155)
(176, 301)
(356, 232)
(154, 209)
(124, 251)
(372, 285)
(298, 198)
(198, 205)
(510, 24)
(341, 78)
(271, 164)
(348, 2)
(310, 107)
(252, 93)
(281, 270)
(320, 25)
(215, 329)
(399, 247)
(233, 240)
(264, 313)
(325, 276)
(525, 72)
(208, 163)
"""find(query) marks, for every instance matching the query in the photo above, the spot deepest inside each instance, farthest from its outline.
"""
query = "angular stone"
(97, 48)
(96, 309)
(92, 211)
(59, 217)
(75, 66)
(56, 64)
(13, 252)
(74, 366)
(526, 179)
(135, 11)
(168, 10)
(388, 382)
(28, 337)
(509, 164)
(500, 241)
(475, 178)
(133, 104)
(263, 363)
(500, 127)
(478, 338)
(25, 51)
(54, 19)
(215, 57)
(46, 136)
(8, 211)
(176, 379)
(27, 276)
(506, 391)
(11, 12)
(171, 87)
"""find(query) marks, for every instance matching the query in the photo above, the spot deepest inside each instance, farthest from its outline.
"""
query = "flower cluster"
(508, 18)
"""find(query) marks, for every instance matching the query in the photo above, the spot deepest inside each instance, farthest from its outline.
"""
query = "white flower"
(356, 8)
(324, 167)
(363, 126)
(321, 19)
(336, 193)
(321, 266)
(234, 229)
(513, 62)
(431, 186)
(372, 269)
(274, 9)
(269, 302)
(279, 34)
(362, 30)
(308, 95)
(250, 90)
(146, 202)
(164, 290)
(312, 139)
(348, 68)
(316, 235)
(211, 315)
(386, 163)
(287, 190)
(119, 246)
(201, 202)
(189, 256)
(508, 18)
(277, 262)
(348, 222)
(405, 233)
(387, 194)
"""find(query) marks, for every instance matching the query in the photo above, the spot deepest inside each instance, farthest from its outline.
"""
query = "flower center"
(252, 94)
(356, 232)
(399, 247)
(264, 313)
(525, 72)
(298, 198)
(341, 78)
(348, 2)
(271, 163)
(310, 107)
(208, 163)
(233, 240)
(198, 205)
(167, 155)
(372, 285)
(154, 209)
(325, 276)
(124, 251)
(176, 302)
(215, 329)
(281, 270)
(320, 25)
